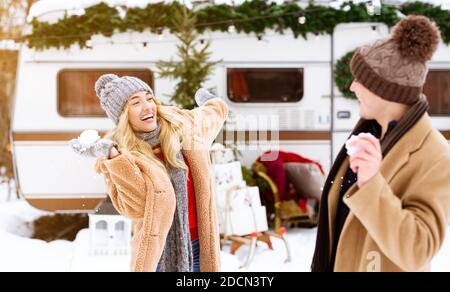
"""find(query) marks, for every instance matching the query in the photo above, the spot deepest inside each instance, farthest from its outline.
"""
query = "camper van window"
(265, 85)
(76, 94)
(437, 90)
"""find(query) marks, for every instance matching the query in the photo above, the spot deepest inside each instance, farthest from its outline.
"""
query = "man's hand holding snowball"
(366, 160)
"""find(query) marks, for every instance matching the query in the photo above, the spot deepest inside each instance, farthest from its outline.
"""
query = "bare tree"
(13, 15)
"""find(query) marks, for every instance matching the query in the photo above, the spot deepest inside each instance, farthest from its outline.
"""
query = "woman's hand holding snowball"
(89, 144)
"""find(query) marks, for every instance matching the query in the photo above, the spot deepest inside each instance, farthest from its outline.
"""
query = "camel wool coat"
(397, 221)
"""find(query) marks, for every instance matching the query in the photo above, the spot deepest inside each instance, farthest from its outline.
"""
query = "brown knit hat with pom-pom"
(396, 68)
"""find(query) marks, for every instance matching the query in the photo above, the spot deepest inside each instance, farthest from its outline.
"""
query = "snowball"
(366, 135)
(352, 150)
(88, 138)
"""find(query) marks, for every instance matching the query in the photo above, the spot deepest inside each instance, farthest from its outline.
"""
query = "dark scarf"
(321, 259)
(177, 255)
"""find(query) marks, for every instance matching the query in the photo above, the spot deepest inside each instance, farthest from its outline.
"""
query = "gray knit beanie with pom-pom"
(114, 91)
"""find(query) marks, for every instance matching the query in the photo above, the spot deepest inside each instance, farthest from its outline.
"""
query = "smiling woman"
(142, 112)
(158, 175)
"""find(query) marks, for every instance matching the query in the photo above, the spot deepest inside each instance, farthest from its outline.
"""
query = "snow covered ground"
(20, 253)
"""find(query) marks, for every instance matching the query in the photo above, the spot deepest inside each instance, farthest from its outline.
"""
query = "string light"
(160, 31)
(76, 12)
(146, 43)
(165, 41)
(231, 24)
(373, 7)
(302, 19)
(122, 11)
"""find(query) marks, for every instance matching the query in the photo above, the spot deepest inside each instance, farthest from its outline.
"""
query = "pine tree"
(193, 68)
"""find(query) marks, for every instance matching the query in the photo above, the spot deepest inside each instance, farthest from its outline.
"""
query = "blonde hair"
(170, 137)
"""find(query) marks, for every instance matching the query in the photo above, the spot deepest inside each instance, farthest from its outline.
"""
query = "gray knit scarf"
(177, 255)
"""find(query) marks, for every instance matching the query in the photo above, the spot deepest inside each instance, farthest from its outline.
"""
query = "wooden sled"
(252, 240)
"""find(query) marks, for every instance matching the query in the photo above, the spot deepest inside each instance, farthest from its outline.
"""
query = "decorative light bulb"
(302, 19)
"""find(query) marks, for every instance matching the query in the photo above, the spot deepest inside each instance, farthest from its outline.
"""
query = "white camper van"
(277, 87)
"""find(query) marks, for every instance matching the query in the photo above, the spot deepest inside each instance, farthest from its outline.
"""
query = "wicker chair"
(286, 212)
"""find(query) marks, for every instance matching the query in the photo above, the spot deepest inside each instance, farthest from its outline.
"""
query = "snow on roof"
(444, 3)
(43, 7)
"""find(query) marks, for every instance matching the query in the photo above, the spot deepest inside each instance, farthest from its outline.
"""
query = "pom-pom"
(416, 37)
(102, 81)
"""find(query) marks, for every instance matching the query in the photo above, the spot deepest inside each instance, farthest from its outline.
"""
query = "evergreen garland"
(251, 17)
(98, 19)
(154, 17)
